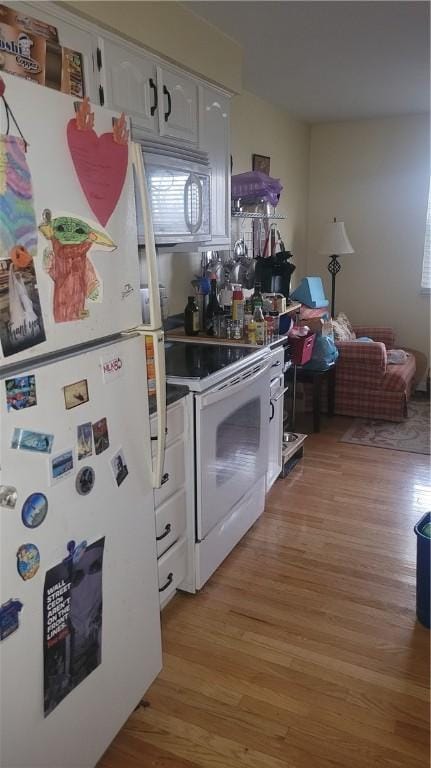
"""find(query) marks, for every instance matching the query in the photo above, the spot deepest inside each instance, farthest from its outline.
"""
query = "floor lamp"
(335, 243)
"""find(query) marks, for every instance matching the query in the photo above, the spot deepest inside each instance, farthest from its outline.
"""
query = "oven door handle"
(226, 392)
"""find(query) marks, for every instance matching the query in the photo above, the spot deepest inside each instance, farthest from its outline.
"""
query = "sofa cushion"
(343, 329)
(398, 378)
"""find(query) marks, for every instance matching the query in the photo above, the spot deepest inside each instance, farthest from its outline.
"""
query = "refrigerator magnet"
(85, 440)
(34, 510)
(20, 392)
(76, 394)
(85, 480)
(61, 466)
(28, 561)
(9, 617)
(101, 436)
(119, 467)
(27, 440)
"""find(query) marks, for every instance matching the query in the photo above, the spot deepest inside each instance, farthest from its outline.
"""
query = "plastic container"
(275, 322)
(151, 368)
(301, 348)
(423, 545)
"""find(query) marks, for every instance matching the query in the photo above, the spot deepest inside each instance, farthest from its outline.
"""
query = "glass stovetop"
(197, 361)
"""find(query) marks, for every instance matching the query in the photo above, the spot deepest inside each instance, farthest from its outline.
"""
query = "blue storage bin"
(423, 534)
(310, 292)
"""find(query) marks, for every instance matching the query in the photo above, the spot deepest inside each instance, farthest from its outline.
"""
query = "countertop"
(174, 392)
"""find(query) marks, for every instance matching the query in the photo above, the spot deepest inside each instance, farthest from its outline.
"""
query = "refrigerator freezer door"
(107, 277)
(119, 508)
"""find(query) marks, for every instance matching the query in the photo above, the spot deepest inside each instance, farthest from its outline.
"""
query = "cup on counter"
(219, 326)
(229, 328)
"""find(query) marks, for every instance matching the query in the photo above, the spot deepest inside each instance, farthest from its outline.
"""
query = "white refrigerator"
(79, 610)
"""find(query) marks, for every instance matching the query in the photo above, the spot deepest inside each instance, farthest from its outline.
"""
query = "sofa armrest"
(383, 334)
(361, 362)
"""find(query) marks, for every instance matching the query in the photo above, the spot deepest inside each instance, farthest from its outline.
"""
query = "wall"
(170, 29)
(258, 127)
(374, 175)
(261, 128)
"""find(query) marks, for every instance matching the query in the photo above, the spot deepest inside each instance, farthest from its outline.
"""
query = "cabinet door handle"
(272, 410)
(153, 86)
(165, 533)
(169, 581)
(168, 95)
(165, 478)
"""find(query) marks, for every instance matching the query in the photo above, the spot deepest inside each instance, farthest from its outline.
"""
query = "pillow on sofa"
(343, 330)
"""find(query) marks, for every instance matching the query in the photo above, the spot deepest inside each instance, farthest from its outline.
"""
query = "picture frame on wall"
(261, 163)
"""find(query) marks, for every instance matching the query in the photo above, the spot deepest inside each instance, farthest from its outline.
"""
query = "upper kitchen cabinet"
(178, 105)
(129, 83)
(214, 139)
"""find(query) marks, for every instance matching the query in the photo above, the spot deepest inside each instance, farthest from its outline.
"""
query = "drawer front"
(174, 473)
(174, 425)
(171, 521)
(172, 570)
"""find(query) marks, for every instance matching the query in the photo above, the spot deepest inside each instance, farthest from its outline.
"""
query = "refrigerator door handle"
(160, 372)
(150, 242)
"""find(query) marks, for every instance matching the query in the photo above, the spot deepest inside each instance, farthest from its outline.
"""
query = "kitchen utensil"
(239, 248)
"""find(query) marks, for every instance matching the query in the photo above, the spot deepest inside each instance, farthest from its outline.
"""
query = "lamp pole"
(334, 267)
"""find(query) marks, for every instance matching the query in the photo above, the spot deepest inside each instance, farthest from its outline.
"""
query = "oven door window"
(237, 443)
(231, 448)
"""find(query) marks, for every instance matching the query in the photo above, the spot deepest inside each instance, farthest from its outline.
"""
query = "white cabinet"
(129, 83)
(214, 139)
(276, 403)
(178, 105)
(157, 99)
(174, 503)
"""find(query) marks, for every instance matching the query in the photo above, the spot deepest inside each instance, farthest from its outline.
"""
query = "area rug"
(412, 435)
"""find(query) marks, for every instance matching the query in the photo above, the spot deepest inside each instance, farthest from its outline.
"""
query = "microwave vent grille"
(173, 150)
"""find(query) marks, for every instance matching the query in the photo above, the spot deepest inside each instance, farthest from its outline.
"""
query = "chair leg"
(331, 391)
(316, 403)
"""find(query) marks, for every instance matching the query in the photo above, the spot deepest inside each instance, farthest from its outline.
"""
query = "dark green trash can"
(423, 538)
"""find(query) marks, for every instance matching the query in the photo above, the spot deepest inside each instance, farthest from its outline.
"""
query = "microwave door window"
(193, 203)
(179, 201)
(237, 444)
(167, 196)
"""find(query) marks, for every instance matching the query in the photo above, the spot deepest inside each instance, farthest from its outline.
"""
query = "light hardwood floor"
(302, 651)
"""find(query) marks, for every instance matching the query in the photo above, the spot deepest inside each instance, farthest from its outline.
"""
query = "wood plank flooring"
(303, 650)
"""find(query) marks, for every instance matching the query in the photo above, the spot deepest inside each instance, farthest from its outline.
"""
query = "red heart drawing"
(101, 166)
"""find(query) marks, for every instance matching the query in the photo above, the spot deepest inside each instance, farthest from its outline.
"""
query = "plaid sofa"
(366, 384)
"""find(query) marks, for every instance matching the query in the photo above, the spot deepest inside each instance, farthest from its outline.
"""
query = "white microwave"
(179, 183)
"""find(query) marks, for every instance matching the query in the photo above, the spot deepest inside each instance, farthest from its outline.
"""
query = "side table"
(304, 375)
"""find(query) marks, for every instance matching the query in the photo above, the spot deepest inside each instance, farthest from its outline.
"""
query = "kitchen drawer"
(174, 473)
(174, 425)
(170, 521)
(172, 570)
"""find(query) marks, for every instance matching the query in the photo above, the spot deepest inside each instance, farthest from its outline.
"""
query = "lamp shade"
(335, 240)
